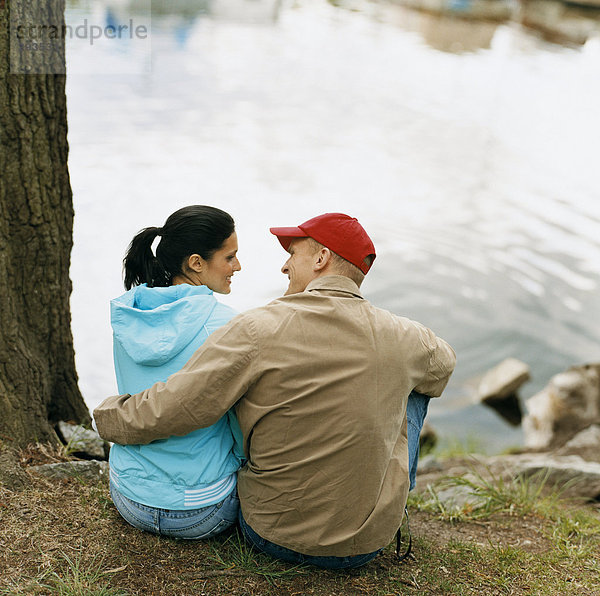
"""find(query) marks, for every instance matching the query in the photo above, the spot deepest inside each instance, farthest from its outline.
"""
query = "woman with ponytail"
(182, 487)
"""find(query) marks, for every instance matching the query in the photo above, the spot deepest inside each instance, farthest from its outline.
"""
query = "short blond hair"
(341, 265)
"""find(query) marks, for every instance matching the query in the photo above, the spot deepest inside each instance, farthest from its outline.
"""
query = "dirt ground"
(67, 532)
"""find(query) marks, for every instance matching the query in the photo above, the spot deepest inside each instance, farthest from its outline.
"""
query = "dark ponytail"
(197, 229)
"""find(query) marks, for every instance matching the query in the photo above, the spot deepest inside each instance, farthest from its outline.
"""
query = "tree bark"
(38, 381)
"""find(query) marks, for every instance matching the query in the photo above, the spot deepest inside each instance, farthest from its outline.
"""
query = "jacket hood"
(154, 324)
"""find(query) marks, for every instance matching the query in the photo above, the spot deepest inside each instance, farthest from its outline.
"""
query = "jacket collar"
(335, 283)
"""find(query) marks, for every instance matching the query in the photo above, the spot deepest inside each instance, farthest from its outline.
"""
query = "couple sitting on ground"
(299, 420)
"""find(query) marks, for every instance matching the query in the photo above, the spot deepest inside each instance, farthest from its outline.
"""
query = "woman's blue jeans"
(416, 411)
(190, 524)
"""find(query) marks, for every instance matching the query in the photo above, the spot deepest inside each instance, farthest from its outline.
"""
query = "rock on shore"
(499, 386)
(562, 437)
(569, 404)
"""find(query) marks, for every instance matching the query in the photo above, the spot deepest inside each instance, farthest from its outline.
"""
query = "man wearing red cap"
(320, 380)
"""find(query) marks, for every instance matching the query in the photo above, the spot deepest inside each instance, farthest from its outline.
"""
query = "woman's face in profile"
(217, 272)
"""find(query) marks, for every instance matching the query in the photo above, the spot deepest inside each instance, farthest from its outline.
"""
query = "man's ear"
(323, 258)
(195, 263)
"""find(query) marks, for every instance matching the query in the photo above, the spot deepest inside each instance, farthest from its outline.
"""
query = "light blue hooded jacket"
(155, 332)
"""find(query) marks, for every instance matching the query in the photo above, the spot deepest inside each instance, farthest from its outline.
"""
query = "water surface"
(473, 166)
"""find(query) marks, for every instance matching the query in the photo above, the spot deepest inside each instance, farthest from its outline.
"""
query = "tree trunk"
(38, 381)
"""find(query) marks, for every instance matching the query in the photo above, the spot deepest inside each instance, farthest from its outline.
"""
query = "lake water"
(469, 151)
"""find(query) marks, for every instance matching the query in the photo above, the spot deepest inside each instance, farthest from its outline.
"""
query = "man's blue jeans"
(416, 411)
(191, 524)
(285, 554)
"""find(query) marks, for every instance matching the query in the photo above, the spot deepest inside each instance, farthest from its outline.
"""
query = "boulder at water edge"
(498, 389)
(569, 404)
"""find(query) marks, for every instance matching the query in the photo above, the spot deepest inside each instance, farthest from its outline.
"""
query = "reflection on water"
(466, 25)
(491, 10)
(441, 31)
(448, 25)
(475, 172)
(245, 11)
(560, 22)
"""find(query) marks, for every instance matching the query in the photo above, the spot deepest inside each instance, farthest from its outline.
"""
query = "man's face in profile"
(300, 265)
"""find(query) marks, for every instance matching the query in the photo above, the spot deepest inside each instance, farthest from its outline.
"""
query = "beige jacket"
(320, 382)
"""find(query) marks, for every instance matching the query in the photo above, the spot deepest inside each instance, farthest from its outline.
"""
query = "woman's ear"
(196, 263)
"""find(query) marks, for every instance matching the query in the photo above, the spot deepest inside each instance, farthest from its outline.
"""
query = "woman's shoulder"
(221, 314)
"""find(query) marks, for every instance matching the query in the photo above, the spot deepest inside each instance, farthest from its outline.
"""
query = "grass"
(452, 448)
(243, 557)
(521, 496)
(574, 534)
(479, 493)
(65, 537)
(68, 577)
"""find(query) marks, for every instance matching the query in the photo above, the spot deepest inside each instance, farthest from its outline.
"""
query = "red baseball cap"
(338, 232)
